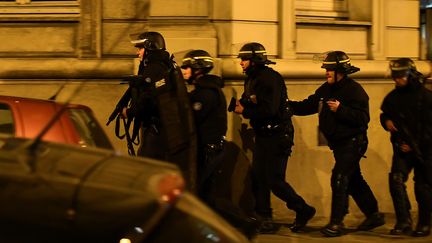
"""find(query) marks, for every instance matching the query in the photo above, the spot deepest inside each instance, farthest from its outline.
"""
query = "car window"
(6, 120)
(91, 134)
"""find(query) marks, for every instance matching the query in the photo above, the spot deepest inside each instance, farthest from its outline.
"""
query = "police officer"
(407, 115)
(158, 103)
(209, 108)
(264, 102)
(343, 110)
(154, 65)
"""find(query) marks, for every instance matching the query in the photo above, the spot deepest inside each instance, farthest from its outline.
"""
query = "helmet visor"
(399, 73)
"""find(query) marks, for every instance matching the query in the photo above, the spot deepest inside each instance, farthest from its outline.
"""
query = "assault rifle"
(124, 100)
(232, 104)
(405, 135)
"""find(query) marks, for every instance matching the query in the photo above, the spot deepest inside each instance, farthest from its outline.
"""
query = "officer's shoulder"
(354, 82)
(205, 94)
(268, 71)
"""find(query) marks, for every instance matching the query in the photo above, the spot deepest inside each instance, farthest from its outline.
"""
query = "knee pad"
(396, 179)
(339, 183)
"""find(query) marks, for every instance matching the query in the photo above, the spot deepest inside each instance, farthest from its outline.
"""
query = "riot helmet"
(402, 67)
(340, 62)
(198, 59)
(255, 52)
(150, 40)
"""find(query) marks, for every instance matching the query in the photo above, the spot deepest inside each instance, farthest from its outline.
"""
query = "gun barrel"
(232, 104)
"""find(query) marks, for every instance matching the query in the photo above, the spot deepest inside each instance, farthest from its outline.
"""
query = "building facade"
(85, 45)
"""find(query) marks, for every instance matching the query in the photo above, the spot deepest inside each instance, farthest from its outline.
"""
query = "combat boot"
(333, 230)
(421, 231)
(372, 221)
(402, 228)
(267, 226)
(302, 217)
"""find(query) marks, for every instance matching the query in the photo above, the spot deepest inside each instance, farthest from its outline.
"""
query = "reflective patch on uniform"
(197, 106)
(160, 83)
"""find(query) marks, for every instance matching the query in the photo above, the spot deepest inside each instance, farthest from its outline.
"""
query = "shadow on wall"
(309, 171)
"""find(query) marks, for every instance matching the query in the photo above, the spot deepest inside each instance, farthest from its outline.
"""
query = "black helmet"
(340, 62)
(254, 52)
(402, 67)
(198, 59)
(150, 41)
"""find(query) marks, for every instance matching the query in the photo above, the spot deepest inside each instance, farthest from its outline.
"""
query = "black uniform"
(209, 106)
(144, 107)
(410, 109)
(264, 101)
(345, 131)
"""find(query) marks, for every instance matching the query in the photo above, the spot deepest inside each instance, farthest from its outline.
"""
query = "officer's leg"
(343, 169)
(365, 199)
(209, 163)
(260, 186)
(277, 160)
(361, 192)
(398, 176)
(423, 193)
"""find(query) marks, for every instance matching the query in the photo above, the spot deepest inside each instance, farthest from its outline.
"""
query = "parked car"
(53, 192)
(26, 117)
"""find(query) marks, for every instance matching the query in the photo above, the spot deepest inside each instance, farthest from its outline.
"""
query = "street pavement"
(312, 234)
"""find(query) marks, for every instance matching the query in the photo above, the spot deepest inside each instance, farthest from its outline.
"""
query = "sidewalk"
(312, 234)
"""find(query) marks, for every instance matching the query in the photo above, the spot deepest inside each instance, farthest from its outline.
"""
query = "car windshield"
(6, 120)
(91, 134)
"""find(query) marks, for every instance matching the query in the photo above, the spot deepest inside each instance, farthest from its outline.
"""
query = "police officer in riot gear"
(407, 115)
(158, 103)
(209, 108)
(264, 102)
(343, 108)
(154, 64)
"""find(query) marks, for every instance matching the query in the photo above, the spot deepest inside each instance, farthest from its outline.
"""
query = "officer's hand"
(390, 126)
(239, 108)
(405, 148)
(333, 105)
(124, 112)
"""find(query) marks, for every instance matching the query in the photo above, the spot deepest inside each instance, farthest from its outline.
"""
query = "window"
(35, 10)
(426, 29)
(6, 120)
(321, 8)
(91, 134)
(28, 1)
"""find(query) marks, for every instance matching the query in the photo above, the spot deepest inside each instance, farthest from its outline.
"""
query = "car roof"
(32, 115)
(25, 100)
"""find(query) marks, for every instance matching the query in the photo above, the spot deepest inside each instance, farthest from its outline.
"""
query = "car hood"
(89, 188)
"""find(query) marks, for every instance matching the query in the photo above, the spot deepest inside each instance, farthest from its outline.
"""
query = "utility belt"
(215, 147)
(359, 140)
(270, 129)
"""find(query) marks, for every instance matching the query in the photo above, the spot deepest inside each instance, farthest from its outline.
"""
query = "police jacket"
(143, 105)
(351, 117)
(264, 98)
(410, 109)
(209, 108)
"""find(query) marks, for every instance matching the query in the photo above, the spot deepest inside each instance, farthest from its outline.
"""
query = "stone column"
(287, 30)
(90, 29)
